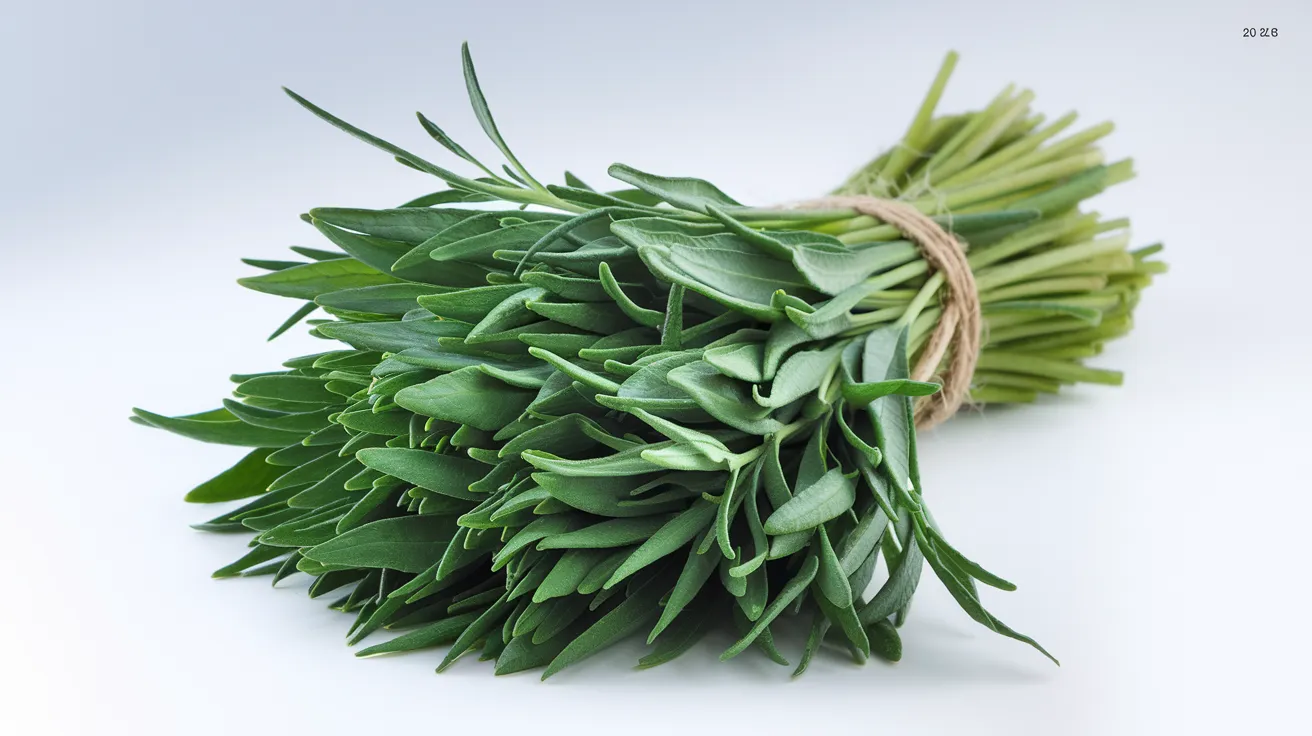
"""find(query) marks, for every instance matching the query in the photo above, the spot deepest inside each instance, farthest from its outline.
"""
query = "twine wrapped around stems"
(959, 326)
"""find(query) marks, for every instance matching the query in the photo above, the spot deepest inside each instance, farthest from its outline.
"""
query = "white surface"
(1155, 530)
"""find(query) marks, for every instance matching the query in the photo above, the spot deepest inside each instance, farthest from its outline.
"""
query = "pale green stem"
(971, 194)
(992, 124)
(1021, 147)
(927, 292)
(905, 154)
(1057, 149)
(1057, 369)
(1019, 270)
(1043, 287)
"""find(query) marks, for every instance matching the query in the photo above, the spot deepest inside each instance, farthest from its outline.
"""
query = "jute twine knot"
(959, 325)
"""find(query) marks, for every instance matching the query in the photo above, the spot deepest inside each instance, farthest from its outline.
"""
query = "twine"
(959, 325)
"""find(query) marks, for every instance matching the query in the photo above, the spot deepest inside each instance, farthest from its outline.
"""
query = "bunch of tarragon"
(549, 417)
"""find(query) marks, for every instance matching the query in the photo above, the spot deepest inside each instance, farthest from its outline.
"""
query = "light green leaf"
(825, 499)
(311, 280)
(685, 193)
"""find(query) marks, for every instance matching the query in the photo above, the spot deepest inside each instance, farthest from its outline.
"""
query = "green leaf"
(310, 280)
(721, 267)
(449, 475)
(607, 534)
(259, 554)
(446, 142)
(392, 337)
(569, 288)
(251, 476)
(705, 445)
(671, 536)
(901, 584)
(819, 625)
(288, 388)
(268, 265)
(625, 462)
(791, 590)
(331, 489)
(481, 244)
(364, 509)
(561, 436)
(305, 421)
(723, 398)
(587, 378)
(468, 305)
(969, 602)
(825, 499)
(598, 575)
(485, 623)
(858, 544)
(391, 299)
(803, 373)
(602, 318)
(523, 654)
(220, 427)
(860, 395)
(679, 639)
(858, 642)
(568, 572)
(311, 471)
(561, 614)
(409, 225)
(970, 567)
(467, 396)
(540, 528)
(885, 641)
(385, 256)
(641, 315)
(832, 580)
(682, 192)
(619, 623)
(484, 115)
(696, 571)
(743, 361)
(679, 456)
(301, 313)
(406, 543)
(403, 155)
(885, 359)
(316, 528)
(431, 635)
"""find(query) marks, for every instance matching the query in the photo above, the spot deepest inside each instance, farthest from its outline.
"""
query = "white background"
(1156, 531)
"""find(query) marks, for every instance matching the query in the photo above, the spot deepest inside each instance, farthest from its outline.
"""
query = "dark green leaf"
(467, 396)
(220, 427)
(251, 476)
(449, 475)
(407, 544)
